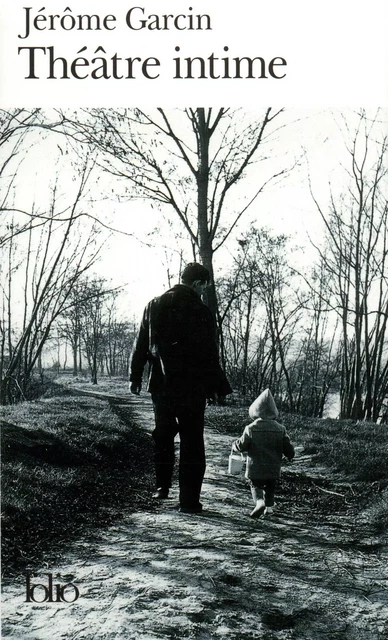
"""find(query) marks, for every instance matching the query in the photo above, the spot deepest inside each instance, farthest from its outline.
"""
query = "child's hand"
(234, 448)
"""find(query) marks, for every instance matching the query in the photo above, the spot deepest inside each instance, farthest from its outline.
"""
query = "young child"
(265, 442)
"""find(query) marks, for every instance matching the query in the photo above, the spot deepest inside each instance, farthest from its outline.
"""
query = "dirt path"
(166, 575)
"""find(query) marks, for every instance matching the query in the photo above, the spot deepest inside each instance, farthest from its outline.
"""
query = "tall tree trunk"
(202, 178)
(75, 356)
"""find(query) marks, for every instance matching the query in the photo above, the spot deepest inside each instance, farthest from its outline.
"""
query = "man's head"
(196, 276)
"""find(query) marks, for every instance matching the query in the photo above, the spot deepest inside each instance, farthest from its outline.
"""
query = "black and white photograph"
(193, 334)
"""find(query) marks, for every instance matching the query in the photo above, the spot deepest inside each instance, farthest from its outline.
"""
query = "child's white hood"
(264, 407)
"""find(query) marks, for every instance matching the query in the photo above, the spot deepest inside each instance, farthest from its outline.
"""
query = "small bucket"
(236, 463)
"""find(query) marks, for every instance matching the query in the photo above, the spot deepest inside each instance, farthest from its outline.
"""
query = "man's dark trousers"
(177, 411)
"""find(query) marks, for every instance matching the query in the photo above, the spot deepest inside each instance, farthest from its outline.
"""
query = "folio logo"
(50, 592)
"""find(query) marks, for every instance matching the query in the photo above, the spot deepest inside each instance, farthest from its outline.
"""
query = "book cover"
(252, 139)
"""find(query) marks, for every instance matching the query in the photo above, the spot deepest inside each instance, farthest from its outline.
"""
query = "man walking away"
(177, 338)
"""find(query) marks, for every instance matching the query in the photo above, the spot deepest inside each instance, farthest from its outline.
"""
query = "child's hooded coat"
(264, 440)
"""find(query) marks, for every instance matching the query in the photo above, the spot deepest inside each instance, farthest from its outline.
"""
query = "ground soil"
(311, 570)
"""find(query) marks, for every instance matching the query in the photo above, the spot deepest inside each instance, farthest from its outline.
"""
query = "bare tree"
(259, 313)
(16, 136)
(315, 368)
(119, 339)
(355, 258)
(190, 161)
(52, 265)
(93, 330)
(71, 321)
(92, 309)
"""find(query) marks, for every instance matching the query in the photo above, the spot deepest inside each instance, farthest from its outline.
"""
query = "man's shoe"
(191, 509)
(269, 510)
(160, 494)
(258, 510)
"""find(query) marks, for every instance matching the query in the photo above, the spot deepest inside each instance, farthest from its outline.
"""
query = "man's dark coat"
(177, 337)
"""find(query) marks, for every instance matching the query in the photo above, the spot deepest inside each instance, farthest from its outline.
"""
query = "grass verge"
(68, 463)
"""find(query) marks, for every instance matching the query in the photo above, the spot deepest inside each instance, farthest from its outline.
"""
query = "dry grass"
(67, 463)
